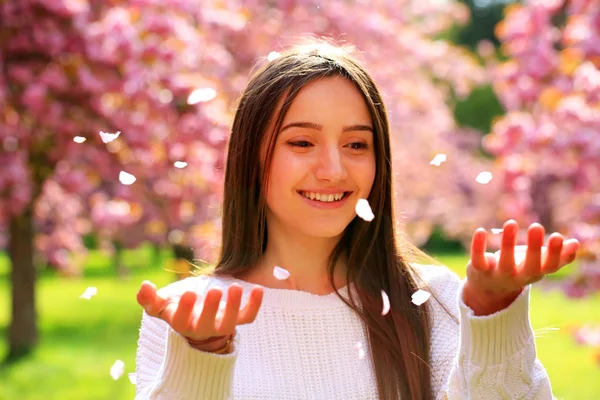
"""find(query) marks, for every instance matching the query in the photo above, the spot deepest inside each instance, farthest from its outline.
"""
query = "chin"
(326, 231)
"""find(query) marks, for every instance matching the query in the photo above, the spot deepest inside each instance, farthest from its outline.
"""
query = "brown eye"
(359, 146)
(300, 143)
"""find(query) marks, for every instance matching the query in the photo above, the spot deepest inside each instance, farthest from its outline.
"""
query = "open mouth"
(325, 198)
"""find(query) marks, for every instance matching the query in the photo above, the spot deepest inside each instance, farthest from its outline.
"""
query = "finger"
(569, 251)
(250, 310)
(510, 233)
(552, 262)
(205, 325)
(478, 259)
(182, 315)
(232, 309)
(571, 246)
(533, 257)
(148, 298)
(145, 296)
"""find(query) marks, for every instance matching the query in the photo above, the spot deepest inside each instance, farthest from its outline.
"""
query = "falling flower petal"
(109, 137)
(420, 296)
(363, 210)
(588, 335)
(484, 177)
(520, 253)
(386, 303)
(201, 95)
(125, 178)
(89, 292)
(79, 139)
(497, 231)
(281, 273)
(273, 56)
(117, 369)
(438, 160)
(361, 353)
(360, 350)
(132, 378)
(180, 164)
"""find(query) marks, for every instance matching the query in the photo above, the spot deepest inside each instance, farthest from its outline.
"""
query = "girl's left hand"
(493, 283)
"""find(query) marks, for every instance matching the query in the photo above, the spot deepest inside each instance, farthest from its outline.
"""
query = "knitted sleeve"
(495, 357)
(167, 368)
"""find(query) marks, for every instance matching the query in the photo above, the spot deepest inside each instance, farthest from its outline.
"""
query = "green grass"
(80, 339)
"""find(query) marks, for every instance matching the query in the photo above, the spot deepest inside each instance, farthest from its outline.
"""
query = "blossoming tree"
(166, 75)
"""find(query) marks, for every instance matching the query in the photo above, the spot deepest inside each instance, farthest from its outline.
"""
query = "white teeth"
(326, 198)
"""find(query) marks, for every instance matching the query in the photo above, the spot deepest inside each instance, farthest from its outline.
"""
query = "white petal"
(438, 159)
(79, 139)
(125, 178)
(273, 55)
(386, 303)
(497, 231)
(420, 296)
(88, 293)
(484, 177)
(117, 369)
(180, 164)
(361, 353)
(363, 210)
(280, 273)
(132, 378)
(360, 350)
(109, 137)
(201, 95)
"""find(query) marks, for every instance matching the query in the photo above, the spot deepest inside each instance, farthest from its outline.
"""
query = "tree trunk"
(23, 332)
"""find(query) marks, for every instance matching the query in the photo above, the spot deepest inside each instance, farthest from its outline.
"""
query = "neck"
(305, 258)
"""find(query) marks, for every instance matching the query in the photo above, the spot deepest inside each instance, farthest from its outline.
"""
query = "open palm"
(200, 321)
(501, 274)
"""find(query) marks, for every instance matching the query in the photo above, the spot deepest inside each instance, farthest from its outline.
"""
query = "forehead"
(329, 99)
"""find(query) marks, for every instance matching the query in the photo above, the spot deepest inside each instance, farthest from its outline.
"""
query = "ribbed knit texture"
(303, 346)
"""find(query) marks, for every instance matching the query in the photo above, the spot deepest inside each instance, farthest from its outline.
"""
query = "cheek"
(279, 185)
(366, 175)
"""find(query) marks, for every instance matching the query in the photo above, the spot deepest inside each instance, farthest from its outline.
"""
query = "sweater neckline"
(292, 298)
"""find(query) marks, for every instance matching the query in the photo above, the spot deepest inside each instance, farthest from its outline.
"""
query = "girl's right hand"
(199, 322)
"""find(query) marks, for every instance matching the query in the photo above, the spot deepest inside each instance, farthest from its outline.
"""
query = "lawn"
(81, 339)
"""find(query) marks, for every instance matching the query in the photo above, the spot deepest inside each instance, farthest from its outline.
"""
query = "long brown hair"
(399, 341)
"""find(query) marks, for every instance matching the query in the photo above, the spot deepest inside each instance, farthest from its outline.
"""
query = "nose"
(330, 165)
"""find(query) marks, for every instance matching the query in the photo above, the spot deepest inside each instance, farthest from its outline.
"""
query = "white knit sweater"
(304, 346)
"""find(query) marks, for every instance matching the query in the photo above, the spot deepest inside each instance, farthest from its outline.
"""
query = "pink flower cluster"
(79, 67)
(548, 143)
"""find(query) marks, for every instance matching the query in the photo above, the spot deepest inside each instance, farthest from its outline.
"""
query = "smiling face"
(323, 160)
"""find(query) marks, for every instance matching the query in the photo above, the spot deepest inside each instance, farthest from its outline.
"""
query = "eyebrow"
(319, 127)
